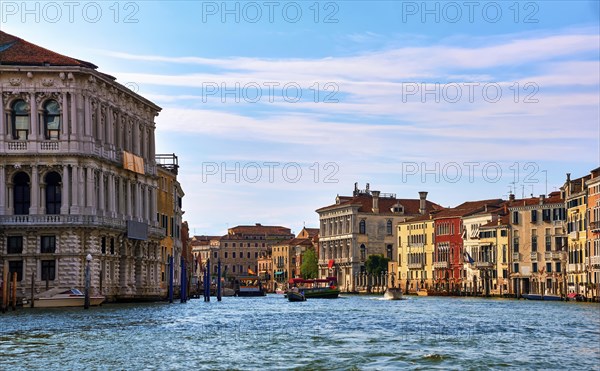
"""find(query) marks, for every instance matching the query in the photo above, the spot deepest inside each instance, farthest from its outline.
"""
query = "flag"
(250, 271)
(468, 258)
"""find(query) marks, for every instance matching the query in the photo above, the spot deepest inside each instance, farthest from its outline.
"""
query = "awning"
(278, 273)
(331, 263)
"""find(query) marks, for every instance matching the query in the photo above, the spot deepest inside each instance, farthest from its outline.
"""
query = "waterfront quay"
(358, 332)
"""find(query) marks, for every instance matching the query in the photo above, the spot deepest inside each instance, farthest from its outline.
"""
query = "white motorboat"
(60, 297)
(393, 293)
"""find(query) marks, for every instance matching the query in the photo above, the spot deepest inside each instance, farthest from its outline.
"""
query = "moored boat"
(60, 298)
(249, 286)
(393, 293)
(548, 297)
(422, 292)
(318, 288)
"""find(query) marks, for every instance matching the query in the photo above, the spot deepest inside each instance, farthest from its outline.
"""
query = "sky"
(276, 107)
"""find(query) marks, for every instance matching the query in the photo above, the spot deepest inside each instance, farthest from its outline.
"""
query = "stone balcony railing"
(535, 256)
(415, 266)
(574, 235)
(595, 226)
(77, 220)
(484, 264)
(595, 260)
(440, 265)
(516, 256)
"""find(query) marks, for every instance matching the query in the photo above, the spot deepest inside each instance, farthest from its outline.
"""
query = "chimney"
(542, 199)
(511, 197)
(568, 184)
(375, 202)
(422, 202)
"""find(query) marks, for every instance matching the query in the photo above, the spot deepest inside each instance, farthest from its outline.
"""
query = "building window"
(53, 193)
(233, 268)
(558, 267)
(48, 245)
(233, 255)
(48, 270)
(248, 255)
(226, 254)
(20, 120)
(216, 254)
(515, 217)
(389, 252)
(534, 267)
(14, 245)
(548, 267)
(16, 266)
(112, 246)
(516, 267)
(362, 227)
(534, 216)
(389, 228)
(363, 252)
(52, 119)
(21, 193)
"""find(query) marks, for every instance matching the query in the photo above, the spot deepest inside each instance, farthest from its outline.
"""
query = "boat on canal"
(249, 286)
(325, 288)
(393, 293)
(549, 297)
(422, 292)
(295, 295)
(60, 297)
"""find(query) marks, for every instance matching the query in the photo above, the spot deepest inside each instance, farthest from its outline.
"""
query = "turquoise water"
(354, 332)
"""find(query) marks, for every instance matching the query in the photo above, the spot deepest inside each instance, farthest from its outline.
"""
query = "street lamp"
(88, 259)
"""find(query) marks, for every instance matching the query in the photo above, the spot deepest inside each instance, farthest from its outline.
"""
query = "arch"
(21, 193)
(51, 119)
(20, 119)
(53, 193)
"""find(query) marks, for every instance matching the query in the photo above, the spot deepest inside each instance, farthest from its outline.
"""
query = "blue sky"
(466, 100)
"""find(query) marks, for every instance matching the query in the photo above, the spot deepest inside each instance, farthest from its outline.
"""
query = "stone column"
(90, 183)
(64, 207)
(9, 189)
(121, 209)
(74, 121)
(35, 190)
(3, 184)
(64, 123)
(3, 124)
(76, 191)
(101, 193)
(128, 199)
(34, 119)
(42, 208)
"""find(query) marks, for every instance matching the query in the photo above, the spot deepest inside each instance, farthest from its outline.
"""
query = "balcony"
(71, 220)
(17, 145)
(595, 260)
(516, 256)
(535, 256)
(415, 266)
(484, 265)
(440, 265)
(574, 235)
(595, 226)
(49, 145)
(548, 255)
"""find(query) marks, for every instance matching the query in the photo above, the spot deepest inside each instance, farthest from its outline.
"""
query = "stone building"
(77, 176)
(361, 225)
(593, 233)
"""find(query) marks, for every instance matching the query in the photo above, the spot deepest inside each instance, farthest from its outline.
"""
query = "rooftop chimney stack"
(511, 197)
(542, 199)
(375, 202)
(422, 202)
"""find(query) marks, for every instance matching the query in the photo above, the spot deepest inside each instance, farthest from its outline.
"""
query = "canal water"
(353, 332)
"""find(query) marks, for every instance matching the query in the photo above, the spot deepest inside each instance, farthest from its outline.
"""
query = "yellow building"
(169, 215)
(575, 193)
(492, 255)
(415, 253)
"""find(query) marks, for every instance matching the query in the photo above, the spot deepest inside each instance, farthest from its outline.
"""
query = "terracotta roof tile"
(16, 51)
(365, 204)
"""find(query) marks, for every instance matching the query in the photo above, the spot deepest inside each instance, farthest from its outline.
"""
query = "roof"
(259, 229)
(364, 202)
(16, 51)
(295, 242)
(468, 207)
(553, 198)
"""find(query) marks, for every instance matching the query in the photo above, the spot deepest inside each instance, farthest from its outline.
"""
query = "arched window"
(51, 119)
(363, 252)
(20, 120)
(389, 252)
(389, 227)
(21, 193)
(362, 227)
(53, 193)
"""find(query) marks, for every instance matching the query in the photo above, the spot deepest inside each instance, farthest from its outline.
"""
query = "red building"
(448, 259)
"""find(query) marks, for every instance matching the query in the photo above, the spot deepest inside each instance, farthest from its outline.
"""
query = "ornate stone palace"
(78, 176)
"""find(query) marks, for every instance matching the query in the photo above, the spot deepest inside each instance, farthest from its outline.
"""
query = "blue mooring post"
(182, 280)
(219, 280)
(171, 276)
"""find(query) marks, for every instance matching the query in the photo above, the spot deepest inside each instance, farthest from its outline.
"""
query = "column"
(75, 190)
(42, 209)
(34, 121)
(64, 129)
(101, 193)
(128, 199)
(90, 196)
(2, 123)
(74, 121)
(35, 190)
(121, 209)
(9, 190)
(64, 207)
(3, 184)
(111, 193)
(87, 118)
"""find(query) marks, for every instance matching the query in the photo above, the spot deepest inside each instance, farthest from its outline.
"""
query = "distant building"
(287, 255)
(492, 255)
(538, 246)
(575, 195)
(241, 247)
(78, 176)
(416, 238)
(361, 225)
(593, 232)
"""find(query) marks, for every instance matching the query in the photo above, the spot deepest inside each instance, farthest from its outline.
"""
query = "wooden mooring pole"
(5, 288)
(14, 291)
